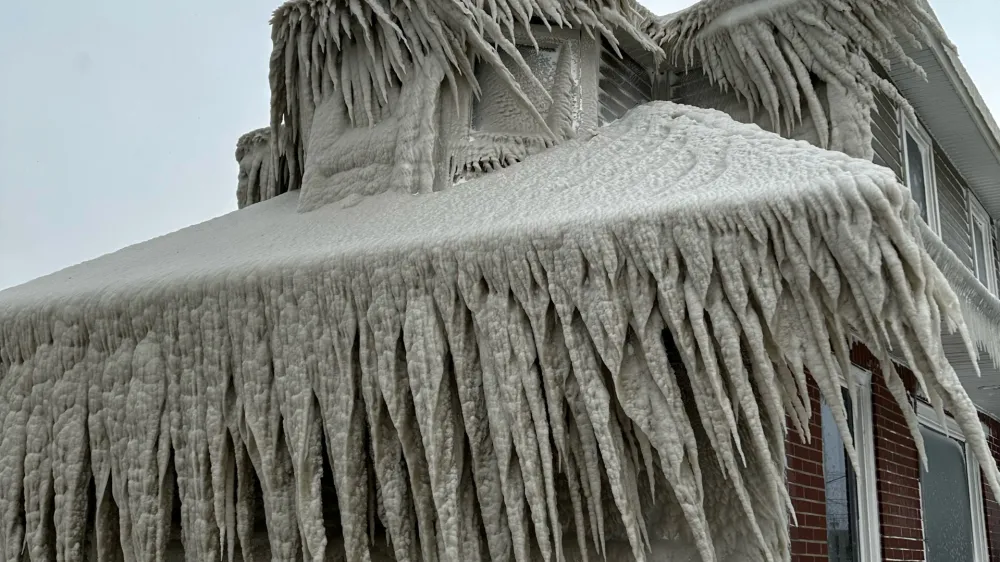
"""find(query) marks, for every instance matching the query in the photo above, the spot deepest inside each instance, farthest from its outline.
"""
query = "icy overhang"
(951, 107)
(664, 163)
(536, 300)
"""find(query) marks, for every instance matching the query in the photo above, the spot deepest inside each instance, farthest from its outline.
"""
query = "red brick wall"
(992, 509)
(806, 485)
(897, 469)
(897, 473)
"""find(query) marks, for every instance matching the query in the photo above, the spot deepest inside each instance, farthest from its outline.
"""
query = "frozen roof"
(514, 324)
(664, 162)
(766, 52)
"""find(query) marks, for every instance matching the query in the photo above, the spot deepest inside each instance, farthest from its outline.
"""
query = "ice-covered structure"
(406, 347)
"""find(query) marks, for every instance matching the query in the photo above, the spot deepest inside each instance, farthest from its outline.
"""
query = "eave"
(952, 109)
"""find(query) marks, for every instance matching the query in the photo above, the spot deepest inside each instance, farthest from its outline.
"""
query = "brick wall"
(806, 485)
(992, 509)
(897, 473)
(897, 470)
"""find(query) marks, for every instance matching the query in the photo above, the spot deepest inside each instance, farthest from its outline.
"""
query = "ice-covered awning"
(475, 354)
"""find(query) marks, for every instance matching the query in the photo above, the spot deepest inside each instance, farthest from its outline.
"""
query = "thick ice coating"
(592, 352)
(339, 64)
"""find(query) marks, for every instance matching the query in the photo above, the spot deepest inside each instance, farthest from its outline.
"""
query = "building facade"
(491, 295)
(893, 509)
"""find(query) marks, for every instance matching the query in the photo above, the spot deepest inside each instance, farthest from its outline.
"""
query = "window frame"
(977, 213)
(929, 419)
(924, 141)
(869, 524)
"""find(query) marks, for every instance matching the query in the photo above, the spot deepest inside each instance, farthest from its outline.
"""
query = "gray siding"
(692, 87)
(953, 207)
(622, 85)
(953, 203)
(886, 129)
(885, 135)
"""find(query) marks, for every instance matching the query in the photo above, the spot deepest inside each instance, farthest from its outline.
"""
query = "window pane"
(947, 508)
(497, 110)
(915, 174)
(979, 246)
(841, 491)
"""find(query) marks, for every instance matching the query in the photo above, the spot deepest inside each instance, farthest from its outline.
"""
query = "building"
(506, 284)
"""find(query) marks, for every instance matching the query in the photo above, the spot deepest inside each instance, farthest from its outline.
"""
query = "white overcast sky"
(118, 119)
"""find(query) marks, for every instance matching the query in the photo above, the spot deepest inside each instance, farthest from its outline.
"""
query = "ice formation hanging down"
(793, 59)
(774, 53)
(604, 368)
(589, 355)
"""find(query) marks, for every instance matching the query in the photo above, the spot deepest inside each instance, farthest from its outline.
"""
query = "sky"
(119, 119)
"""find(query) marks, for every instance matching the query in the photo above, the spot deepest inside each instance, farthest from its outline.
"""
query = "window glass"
(841, 490)
(916, 180)
(498, 110)
(947, 508)
(979, 243)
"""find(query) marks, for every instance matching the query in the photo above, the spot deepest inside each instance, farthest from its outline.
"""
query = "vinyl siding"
(953, 203)
(953, 207)
(622, 85)
(885, 135)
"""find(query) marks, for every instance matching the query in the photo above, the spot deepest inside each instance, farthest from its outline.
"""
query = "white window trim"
(869, 524)
(919, 134)
(978, 212)
(927, 417)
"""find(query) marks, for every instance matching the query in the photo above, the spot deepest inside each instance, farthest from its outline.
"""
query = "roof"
(758, 254)
(950, 106)
(361, 50)
(661, 162)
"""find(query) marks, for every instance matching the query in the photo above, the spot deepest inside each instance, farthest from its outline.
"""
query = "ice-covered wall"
(414, 75)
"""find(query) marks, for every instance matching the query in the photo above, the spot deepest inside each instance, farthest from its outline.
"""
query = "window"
(851, 502)
(982, 244)
(555, 66)
(918, 168)
(955, 527)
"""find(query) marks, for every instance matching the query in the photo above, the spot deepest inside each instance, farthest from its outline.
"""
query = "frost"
(260, 170)
(606, 367)
(766, 51)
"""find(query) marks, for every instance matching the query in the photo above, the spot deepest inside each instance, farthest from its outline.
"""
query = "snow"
(769, 51)
(258, 177)
(484, 367)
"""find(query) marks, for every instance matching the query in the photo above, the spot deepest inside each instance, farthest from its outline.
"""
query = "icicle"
(476, 393)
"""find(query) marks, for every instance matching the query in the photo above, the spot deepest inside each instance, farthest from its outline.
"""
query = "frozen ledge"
(980, 308)
(472, 358)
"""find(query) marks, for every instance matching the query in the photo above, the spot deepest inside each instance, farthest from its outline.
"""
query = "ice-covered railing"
(980, 307)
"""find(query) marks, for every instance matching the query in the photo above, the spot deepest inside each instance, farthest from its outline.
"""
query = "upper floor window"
(851, 501)
(982, 244)
(918, 170)
(951, 494)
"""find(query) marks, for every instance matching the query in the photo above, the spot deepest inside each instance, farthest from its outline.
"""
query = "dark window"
(915, 174)
(841, 489)
(947, 507)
